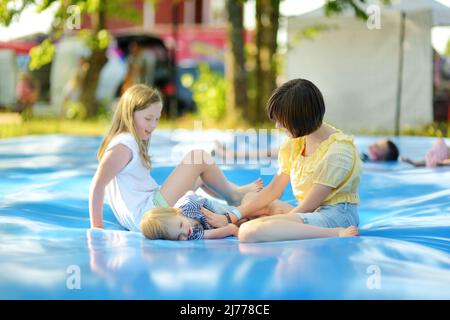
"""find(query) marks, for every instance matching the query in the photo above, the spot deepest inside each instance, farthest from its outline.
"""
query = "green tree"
(267, 25)
(237, 74)
(358, 6)
(96, 38)
(447, 49)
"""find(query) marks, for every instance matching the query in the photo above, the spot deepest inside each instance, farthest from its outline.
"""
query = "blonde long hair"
(154, 222)
(136, 98)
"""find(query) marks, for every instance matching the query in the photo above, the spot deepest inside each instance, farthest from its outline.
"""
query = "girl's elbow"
(94, 184)
(96, 187)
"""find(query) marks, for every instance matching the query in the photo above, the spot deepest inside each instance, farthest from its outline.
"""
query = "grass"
(19, 127)
(12, 125)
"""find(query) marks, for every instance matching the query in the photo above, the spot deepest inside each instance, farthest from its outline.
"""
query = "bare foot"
(351, 231)
(241, 191)
(255, 186)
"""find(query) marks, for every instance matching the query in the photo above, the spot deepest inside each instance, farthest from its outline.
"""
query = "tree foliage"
(68, 19)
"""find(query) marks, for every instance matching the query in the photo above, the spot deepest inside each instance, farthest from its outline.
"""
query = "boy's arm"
(229, 230)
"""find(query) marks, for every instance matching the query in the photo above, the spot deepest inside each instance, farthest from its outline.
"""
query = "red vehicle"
(162, 75)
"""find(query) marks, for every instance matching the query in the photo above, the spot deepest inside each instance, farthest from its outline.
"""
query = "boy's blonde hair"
(135, 98)
(154, 223)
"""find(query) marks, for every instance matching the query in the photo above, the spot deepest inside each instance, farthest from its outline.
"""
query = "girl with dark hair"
(321, 163)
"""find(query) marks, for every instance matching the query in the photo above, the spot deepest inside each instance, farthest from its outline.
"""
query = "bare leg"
(288, 227)
(275, 207)
(278, 207)
(202, 185)
(197, 164)
(230, 154)
(256, 186)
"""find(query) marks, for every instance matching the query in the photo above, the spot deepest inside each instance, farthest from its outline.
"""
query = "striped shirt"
(191, 204)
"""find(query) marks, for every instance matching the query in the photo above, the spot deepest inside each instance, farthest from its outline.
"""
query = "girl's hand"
(215, 220)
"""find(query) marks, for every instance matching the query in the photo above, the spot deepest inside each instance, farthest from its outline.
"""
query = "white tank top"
(130, 193)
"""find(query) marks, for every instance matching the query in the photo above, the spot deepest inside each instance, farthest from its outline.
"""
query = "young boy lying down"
(194, 217)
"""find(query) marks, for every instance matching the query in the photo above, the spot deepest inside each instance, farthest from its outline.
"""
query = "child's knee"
(196, 157)
(248, 232)
(199, 157)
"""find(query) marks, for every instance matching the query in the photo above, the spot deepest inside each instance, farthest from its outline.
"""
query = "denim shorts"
(341, 215)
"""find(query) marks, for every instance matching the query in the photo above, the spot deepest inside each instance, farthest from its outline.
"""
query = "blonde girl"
(123, 173)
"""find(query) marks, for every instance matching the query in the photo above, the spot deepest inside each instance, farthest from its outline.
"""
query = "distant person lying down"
(438, 155)
(382, 150)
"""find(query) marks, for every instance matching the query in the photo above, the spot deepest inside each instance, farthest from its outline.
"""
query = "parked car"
(162, 73)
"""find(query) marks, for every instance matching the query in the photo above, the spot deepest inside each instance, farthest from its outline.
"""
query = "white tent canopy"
(8, 80)
(357, 69)
(439, 12)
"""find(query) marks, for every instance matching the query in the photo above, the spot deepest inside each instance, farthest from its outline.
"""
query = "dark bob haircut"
(392, 154)
(298, 106)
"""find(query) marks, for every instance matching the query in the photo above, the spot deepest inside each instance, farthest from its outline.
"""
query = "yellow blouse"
(335, 163)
